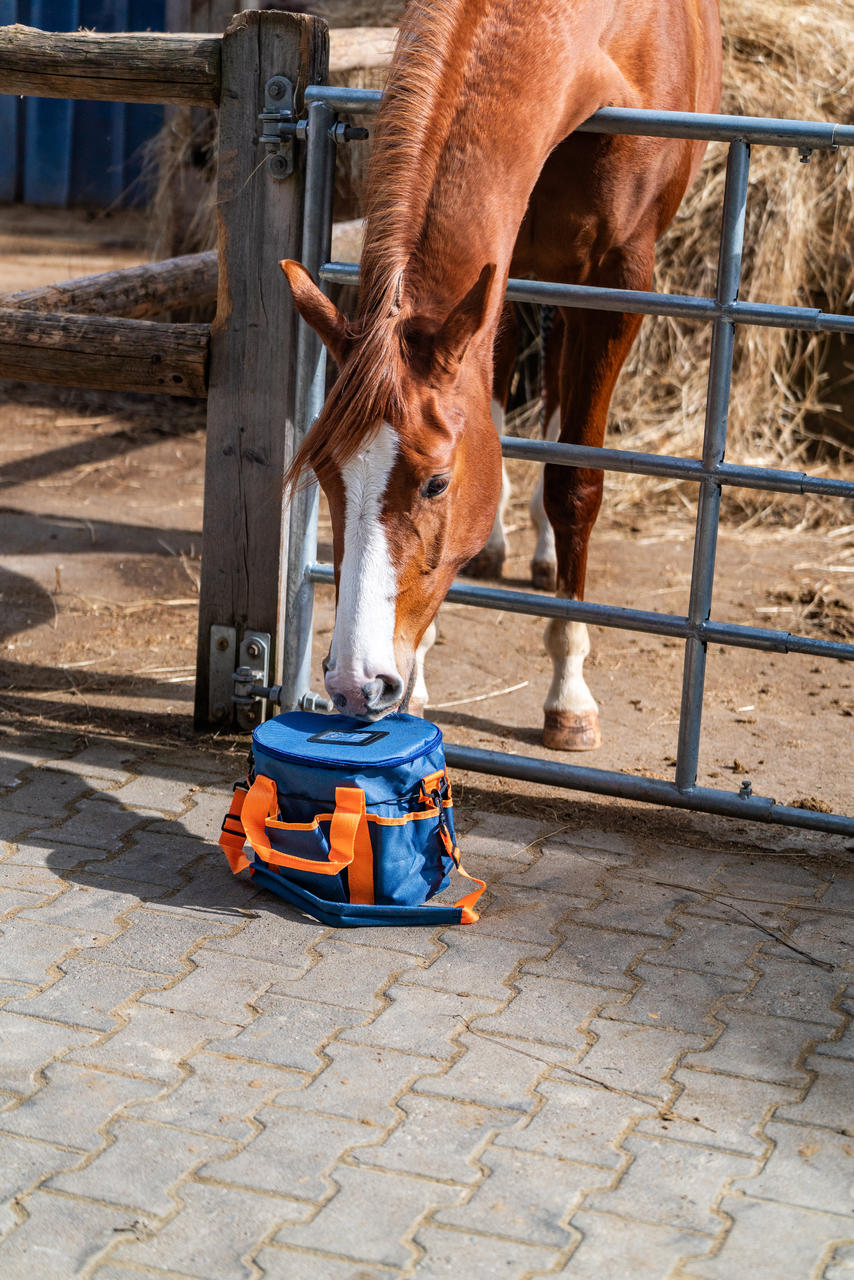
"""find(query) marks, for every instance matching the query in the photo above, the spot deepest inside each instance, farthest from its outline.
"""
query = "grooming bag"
(351, 821)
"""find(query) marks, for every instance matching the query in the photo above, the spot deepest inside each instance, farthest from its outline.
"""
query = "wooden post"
(253, 340)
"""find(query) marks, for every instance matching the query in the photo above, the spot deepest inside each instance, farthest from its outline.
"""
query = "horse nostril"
(340, 700)
(385, 691)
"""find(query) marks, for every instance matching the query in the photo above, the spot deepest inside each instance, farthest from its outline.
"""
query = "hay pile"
(781, 58)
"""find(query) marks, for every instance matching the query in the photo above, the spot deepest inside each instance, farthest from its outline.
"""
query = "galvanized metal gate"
(724, 311)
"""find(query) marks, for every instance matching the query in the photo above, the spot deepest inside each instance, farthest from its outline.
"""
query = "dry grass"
(781, 58)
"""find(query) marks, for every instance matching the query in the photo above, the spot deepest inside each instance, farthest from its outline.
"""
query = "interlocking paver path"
(639, 1063)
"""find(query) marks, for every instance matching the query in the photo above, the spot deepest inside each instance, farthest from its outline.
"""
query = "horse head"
(407, 454)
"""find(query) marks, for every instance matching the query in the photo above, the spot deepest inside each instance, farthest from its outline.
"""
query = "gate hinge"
(238, 687)
(279, 126)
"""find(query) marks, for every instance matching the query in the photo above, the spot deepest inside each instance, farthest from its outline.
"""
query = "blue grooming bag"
(351, 821)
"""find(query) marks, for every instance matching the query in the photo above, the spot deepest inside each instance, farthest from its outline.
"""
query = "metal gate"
(710, 472)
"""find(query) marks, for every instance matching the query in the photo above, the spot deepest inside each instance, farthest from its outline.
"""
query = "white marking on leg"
(418, 699)
(544, 552)
(568, 644)
(362, 646)
(496, 543)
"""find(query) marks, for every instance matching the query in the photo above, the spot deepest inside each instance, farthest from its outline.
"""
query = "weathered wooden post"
(252, 361)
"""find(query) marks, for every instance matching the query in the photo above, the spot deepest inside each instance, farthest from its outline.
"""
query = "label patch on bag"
(350, 737)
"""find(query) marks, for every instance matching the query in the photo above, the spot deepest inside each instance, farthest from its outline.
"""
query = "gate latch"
(279, 126)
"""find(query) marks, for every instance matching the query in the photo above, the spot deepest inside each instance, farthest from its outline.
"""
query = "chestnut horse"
(476, 173)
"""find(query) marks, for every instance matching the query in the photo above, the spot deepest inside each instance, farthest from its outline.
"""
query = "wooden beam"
(145, 67)
(250, 426)
(113, 355)
(134, 292)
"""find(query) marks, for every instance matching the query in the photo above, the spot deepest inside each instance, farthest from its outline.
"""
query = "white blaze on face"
(363, 640)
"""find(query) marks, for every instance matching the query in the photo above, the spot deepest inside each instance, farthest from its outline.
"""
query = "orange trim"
(350, 827)
(258, 809)
(231, 842)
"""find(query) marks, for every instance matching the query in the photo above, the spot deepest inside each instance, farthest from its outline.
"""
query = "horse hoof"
(486, 564)
(571, 731)
(544, 574)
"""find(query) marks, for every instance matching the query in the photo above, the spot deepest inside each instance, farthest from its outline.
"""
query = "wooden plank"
(253, 339)
(134, 292)
(114, 355)
(144, 67)
(360, 48)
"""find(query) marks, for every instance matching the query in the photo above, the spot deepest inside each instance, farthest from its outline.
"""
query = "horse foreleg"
(595, 346)
(418, 697)
(544, 562)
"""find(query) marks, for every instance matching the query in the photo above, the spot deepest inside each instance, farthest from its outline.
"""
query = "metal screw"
(278, 166)
(746, 789)
(253, 649)
(220, 711)
(276, 89)
(222, 644)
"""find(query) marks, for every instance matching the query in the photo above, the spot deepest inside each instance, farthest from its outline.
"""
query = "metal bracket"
(223, 660)
(253, 670)
(279, 126)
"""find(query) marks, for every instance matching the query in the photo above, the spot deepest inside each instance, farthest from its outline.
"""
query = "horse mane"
(416, 116)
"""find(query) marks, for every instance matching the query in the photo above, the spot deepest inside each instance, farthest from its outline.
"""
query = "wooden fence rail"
(134, 292)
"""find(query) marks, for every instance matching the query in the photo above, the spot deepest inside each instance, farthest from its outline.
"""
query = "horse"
(477, 173)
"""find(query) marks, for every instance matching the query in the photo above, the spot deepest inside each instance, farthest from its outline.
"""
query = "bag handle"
(256, 810)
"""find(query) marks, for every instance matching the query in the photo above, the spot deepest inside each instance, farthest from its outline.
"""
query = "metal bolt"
(222, 644)
(278, 166)
(746, 789)
(253, 649)
(276, 89)
(220, 711)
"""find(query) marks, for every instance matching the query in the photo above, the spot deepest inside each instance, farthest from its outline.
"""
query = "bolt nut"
(253, 649)
(276, 89)
(220, 711)
(278, 166)
(222, 644)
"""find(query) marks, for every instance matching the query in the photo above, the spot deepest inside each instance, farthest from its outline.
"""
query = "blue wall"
(62, 153)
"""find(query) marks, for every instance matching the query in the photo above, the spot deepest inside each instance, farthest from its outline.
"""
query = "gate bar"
(714, 445)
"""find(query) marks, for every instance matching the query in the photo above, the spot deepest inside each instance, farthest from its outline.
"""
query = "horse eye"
(435, 486)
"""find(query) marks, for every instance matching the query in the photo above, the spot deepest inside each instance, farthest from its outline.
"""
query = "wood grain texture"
(145, 67)
(134, 292)
(253, 340)
(114, 355)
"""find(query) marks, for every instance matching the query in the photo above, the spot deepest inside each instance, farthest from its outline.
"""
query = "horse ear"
(467, 317)
(318, 311)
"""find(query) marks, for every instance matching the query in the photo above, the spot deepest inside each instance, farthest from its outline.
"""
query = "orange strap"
(259, 810)
(233, 837)
(468, 914)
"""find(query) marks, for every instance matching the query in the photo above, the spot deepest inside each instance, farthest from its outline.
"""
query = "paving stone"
(153, 859)
(502, 835)
(360, 1082)
(823, 936)
(209, 1237)
(220, 986)
(672, 1183)
(724, 1111)
(30, 879)
(788, 989)
(96, 910)
(451, 1254)
(635, 1058)
(102, 761)
(158, 941)
(13, 990)
(839, 893)
(24, 1163)
(217, 1097)
(420, 1020)
(576, 873)
(761, 1047)
(615, 1248)
(205, 814)
(415, 941)
(279, 1263)
(619, 844)
(399, 1205)
(756, 913)
(86, 994)
(159, 1158)
(577, 1122)
(293, 1155)
(711, 946)
(29, 950)
(765, 879)
(29, 1044)
(475, 965)
(60, 1238)
(674, 999)
(547, 1011)
(288, 1032)
(810, 1167)
(268, 935)
(492, 1073)
(598, 957)
(47, 793)
(44, 852)
(212, 893)
(526, 1197)
(841, 1044)
(769, 1241)
(841, 1265)
(95, 825)
(636, 905)
(827, 1102)
(153, 1043)
(13, 900)
(528, 915)
(148, 791)
(438, 1138)
(347, 977)
(72, 1105)
(13, 826)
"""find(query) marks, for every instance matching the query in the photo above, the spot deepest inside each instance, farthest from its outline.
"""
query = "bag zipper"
(336, 762)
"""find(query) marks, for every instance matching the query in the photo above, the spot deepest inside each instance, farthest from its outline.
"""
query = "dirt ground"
(100, 522)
